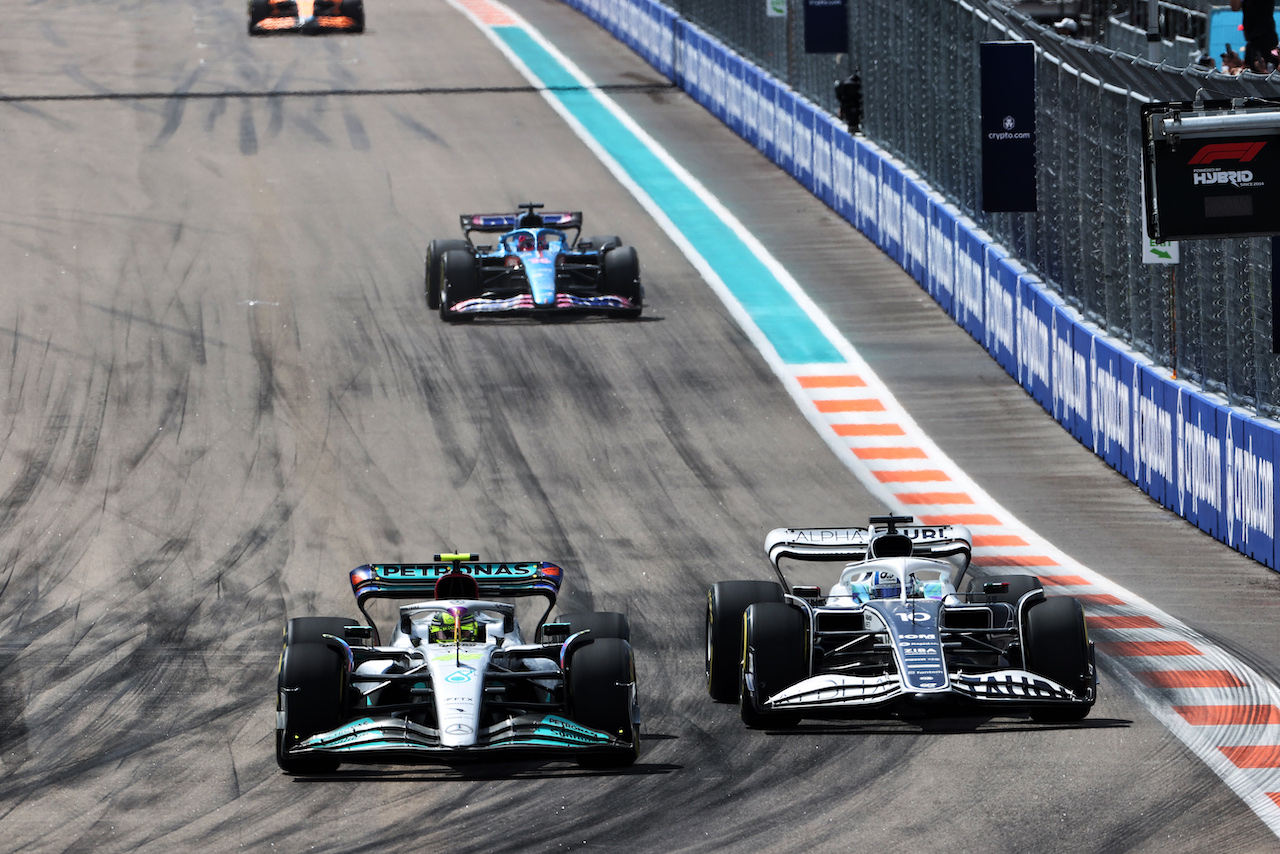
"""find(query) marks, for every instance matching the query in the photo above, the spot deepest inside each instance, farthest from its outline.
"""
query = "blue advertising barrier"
(1070, 405)
(970, 254)
(1035, 349)
(1153, 457)
(825, 132)
(1210, 464)
(1109, 406)
(866, 181)
(1250, 488)
(941, 279)
(844, 152)
(1201, 427)
(890, 210)
(915, 229)
(1000, 331)
(802, 122)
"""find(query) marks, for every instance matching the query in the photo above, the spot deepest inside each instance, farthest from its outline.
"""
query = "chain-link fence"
(1207, 318)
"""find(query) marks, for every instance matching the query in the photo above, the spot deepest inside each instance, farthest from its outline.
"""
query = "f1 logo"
(1241, 151)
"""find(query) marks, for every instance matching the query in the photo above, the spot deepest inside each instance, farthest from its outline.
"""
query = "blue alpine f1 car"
(537, 266)
(457, 679)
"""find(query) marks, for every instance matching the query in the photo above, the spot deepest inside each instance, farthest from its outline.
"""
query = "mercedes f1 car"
(893, 635)
(457, 679)
(536, 267)
(305, 16)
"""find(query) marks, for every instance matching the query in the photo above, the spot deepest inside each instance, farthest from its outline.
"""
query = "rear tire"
(774, 650)
(1019, 586)
(601, 680)
(602, 242)
(259, 10)
(310, 698)
(459, 280)
(354, 9)
(601, 624)
(726, 600)
(622, 278)
(1056, 646)
(435, 254)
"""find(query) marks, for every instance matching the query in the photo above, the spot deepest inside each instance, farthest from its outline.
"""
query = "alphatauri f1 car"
(536, 268)
(457, 679)
(305, 16)
(893, 635)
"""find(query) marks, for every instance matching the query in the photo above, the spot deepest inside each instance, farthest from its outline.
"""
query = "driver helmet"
(524, 243)
(885, 585)
(454, 625)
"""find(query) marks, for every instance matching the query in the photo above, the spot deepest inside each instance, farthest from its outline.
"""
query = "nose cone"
(541, 270)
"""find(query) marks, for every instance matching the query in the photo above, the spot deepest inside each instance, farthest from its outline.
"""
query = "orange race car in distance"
(305, 16)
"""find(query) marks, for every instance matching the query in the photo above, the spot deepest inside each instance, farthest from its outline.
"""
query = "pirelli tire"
(726, 602)
(431, 278)
(459, 281)
(259, 10)
(313, 629)
(601, 683)
(774, 657)
(310, 698)
(621, 277)
(1056, 645)
(601, 624)
(354, 9)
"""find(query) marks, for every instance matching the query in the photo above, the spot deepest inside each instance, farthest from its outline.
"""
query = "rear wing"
(418, 580)
(952, 543)
(501, 223)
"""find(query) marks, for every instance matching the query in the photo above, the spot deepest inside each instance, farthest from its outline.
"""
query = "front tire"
(459, 281)
(1056, 646)
(313, 629)
(726, 601)
(354, 9)
(602, 696)
(310, 699)
(435, 256)
(774, 657)
(622, 278)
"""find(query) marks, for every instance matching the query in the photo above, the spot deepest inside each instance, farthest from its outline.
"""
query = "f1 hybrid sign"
(1211, 169)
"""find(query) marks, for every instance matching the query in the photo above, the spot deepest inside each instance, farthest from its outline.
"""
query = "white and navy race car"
(893, 635)
(538, 266)
(457, 679)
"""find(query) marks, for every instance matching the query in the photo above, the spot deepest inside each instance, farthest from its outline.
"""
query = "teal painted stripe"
(791, 331)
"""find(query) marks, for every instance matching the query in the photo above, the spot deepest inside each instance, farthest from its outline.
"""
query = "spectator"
(1231, 62)
(849, 97)
(1066, 27)
(1259, 33)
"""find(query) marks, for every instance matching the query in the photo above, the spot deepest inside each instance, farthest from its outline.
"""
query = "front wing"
(391, 739)
(315, 24)
(525, 303)
(1001, 687)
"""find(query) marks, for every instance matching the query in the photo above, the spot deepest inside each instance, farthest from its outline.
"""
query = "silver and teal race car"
(893, 634)
(457, 679)
(538, 266)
